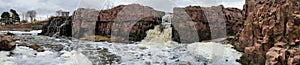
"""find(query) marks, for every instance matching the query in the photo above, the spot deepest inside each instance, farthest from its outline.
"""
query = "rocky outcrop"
(272, 32)
(127, 22)
(58, 26)
(195, 23)
(123, 23)
(84, 22)
(7, 43)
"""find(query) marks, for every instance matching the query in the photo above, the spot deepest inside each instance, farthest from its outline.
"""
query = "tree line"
(13, 17)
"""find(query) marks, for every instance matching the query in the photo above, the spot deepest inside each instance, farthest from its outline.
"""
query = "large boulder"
(127, 22)
(271, 34)
(84, 22)
(7, 43)
(195, 23)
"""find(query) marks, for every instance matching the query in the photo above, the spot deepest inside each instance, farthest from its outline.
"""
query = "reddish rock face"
(272, 31)
(127, 22)
(84, 22)
(123, 23)
(195, 23)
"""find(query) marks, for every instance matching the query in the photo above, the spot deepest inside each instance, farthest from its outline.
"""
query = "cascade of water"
(161, 34)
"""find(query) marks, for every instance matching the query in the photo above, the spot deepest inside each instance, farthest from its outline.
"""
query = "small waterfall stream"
(161, 35)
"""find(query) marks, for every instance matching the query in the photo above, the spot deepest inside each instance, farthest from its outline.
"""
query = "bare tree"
(31, 14)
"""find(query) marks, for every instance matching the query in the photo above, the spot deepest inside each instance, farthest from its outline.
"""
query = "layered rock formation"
(272, 32)
(195, 23)
(58, 26)
(127, 22)
(84, 22)
(123, 23)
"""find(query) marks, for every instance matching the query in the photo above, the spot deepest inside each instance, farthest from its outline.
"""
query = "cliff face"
(272, 32)
(123, 23)
(84, 22)
(195, 23)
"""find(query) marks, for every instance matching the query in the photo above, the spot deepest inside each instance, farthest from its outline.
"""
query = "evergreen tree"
(15, 16)
(5, 16)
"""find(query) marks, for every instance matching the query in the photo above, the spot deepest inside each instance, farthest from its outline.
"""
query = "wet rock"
(97, 38)
(57, 26)
(101, 56)
(36, 47)
(7, 43)
(272, 24)
(55, 47)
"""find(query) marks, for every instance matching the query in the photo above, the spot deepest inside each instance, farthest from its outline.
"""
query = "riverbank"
(64, 51)
(24, 26)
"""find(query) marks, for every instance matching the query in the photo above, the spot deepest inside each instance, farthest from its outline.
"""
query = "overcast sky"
(46, 8)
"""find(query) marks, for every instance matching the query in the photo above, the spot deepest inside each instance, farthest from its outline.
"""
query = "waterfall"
(161, 34)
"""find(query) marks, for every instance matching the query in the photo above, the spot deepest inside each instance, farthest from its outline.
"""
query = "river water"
(156, 49)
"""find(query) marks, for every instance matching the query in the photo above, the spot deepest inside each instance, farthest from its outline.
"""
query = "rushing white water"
(161, 35)
(156, 37)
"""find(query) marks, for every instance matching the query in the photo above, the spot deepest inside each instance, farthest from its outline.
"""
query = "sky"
(47, 8)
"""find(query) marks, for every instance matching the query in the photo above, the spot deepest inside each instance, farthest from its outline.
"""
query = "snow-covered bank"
(28, 56)
(33, 32)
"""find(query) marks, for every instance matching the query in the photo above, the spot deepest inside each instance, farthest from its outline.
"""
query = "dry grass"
(23, 26)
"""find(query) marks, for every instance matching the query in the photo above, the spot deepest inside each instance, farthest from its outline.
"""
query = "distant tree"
(5, 16)
(15, 16)
(31, 14)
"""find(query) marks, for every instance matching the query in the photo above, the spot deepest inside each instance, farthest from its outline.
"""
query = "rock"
(55, 47)
(97, 38)
(7, 43)
(273, 24)
(9, 33)
(195, 23)
(84, 22)
(36, 47)
(122, 23)
(127, 22)
(57, 26)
